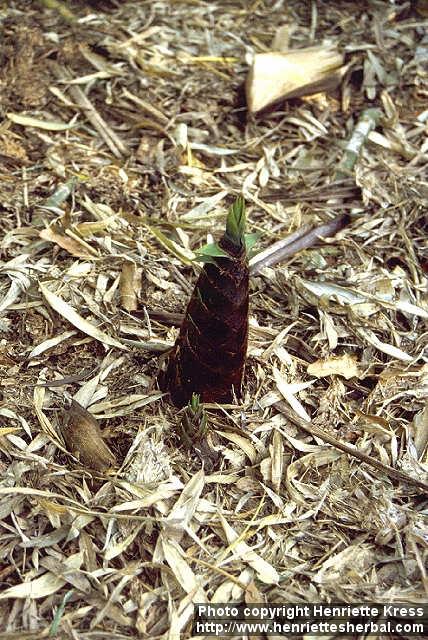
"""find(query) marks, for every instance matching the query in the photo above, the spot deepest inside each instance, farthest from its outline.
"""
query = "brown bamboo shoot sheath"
(209, 355)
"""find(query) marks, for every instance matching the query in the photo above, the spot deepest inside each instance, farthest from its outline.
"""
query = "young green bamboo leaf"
(192, 430)
(235, 224)
(250, 240)
(193, 425)
(212, 250)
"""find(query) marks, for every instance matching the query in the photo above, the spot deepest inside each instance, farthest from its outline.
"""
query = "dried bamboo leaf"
(162, 492)
(90, 391)
(48, 344)
(345, 366)
(302, 492)
(265, 571)
(420, 432)
(183, 573)
(206, 206)
(44, 586)
(46, 425)
(28, 121)
(389, 349)
(277, 460)
(288, 391)
(242, 443)
(20, 282)
(125, 405)
(71, 245)
(8, 413)
(180, 617)
(66, 311)
(299, 445)
(117, 547)
(351, 296)
(182, 512)
(355, 558)
(5, 431)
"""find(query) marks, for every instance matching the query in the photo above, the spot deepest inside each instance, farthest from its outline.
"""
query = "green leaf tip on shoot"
(235, 234)
(194, 402)
(235, 223)
(193, 425)
(250, 240)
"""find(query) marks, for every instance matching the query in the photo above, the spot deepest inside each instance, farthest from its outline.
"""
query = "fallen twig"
(301, 239)
(338, 189)
(400, 476)
(114, 143)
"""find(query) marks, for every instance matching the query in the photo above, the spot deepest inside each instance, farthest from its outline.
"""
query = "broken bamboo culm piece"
(208, 357)
(278, 75)
(367, 121)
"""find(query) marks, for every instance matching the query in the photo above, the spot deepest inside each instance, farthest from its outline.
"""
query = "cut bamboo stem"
(276, 75)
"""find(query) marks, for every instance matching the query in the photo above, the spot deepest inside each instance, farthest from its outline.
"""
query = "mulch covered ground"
(124, 139)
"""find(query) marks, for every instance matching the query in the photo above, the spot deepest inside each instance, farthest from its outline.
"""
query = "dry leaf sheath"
(209, 355)
(278, 76)
(83, 438)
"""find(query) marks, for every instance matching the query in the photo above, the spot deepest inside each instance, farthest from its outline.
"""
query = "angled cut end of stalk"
(277, 76)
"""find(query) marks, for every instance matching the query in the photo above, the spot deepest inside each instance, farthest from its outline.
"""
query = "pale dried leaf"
(265, 571)
(66, 311)
(46, 585)
(48, 125)
(51, 342)
(183, 510)
(389, 349)
(242, 443)
(183, 573)
(71, 245)
(288, 391)
(277, 457)
(345, 366)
